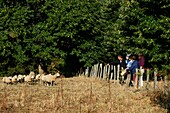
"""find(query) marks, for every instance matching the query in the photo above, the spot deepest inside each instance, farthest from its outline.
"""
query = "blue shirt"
(134, 66)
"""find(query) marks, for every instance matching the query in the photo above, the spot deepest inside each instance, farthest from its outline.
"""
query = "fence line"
(112, 73)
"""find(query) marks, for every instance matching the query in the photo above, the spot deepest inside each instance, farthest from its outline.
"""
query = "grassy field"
(75, 95)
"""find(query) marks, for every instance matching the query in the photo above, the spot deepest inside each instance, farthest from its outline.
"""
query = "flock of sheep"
(48, 79)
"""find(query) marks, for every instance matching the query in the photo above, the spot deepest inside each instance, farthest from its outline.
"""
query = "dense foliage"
(66, 35)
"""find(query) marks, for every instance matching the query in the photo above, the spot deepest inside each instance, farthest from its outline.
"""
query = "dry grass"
(75, 95)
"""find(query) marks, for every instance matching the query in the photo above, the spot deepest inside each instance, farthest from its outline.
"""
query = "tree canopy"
(66, 35)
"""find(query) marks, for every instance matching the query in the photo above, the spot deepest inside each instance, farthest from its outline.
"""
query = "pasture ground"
(76, 95)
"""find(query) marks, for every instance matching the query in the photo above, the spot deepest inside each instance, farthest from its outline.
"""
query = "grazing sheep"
(43, 79)
(14, 79)
(3, 79)
(20, 78)
(50, 79)
(37, 77)
(7, 80)
(29, 78)
(32, 75)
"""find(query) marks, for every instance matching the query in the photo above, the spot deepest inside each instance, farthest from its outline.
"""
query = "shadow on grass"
(162, 98)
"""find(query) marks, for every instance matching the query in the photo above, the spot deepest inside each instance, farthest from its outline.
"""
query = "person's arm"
(124, 65)
(131, 67)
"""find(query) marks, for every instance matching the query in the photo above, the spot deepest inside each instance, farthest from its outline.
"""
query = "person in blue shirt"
(133, 67)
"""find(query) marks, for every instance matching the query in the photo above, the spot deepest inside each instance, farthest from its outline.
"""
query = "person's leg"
(131, 80)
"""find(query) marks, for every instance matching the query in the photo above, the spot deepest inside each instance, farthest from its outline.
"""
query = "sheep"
(37, 77)
(14, 79)
(32, 75)
(50, 79)
(43, 79)
(4, 79)
(29, 78)
(7, 80)
(20, 78)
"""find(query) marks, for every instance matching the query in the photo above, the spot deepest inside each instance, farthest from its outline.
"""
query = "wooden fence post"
(165, 81)
(92, 71)
(114, 74)
(141, 71)
(81, 72)
(111, 77)
(87, 72)
(104, 72)
(101, 72)
(136, 79)
(165, 84)
(108, 72)
(96, 70)
(147, 80)
(118, 72)
(155, 79)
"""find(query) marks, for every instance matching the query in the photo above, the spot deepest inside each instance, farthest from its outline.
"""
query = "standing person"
(122, 64)
(132, 68)
(141, 60)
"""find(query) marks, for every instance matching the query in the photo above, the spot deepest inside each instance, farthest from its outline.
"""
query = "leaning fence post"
(114, 74)
(155, 78)
(147, 80)
(111, 72)
(118, 72)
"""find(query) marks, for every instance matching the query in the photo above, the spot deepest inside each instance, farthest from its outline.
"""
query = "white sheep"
(29, 78)
(3, 79)
(43, 79)
(14, 79)
(20, 78)
(50, 79)
(7, 80)
(37, 77)
(32, 75)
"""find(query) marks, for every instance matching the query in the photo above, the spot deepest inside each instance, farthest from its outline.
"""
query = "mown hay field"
(75, 95)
